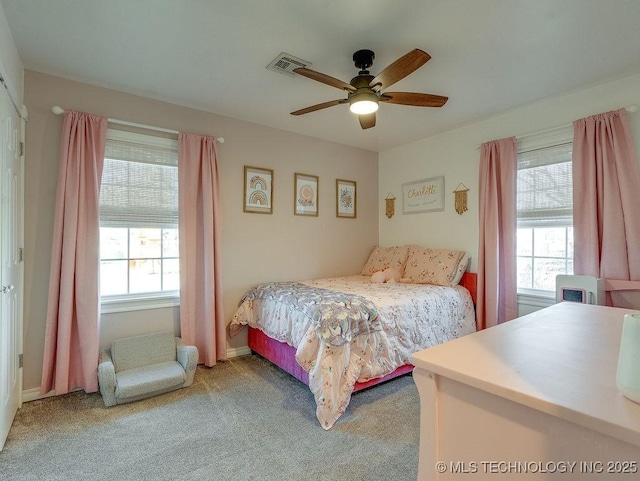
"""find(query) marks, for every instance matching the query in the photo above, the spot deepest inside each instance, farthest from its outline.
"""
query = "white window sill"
(114, 304)
(536, 293)
(532, 297)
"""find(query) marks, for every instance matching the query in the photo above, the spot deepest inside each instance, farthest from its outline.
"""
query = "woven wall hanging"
(391, 205)
(461, 198)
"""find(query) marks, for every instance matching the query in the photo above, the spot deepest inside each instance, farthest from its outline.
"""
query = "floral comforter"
(335, 316)
(337, 352)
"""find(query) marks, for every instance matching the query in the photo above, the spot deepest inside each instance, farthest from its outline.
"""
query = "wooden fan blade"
(415, 99)
(367, 120)
(325, 79)
(321, 106)
(400, 69)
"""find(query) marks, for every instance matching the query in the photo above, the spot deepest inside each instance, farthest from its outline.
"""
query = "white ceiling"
(488, 56)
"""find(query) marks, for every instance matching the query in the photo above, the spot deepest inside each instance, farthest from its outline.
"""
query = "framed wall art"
(426, 195)
(258, 190)
(346, 199)
(305, 194)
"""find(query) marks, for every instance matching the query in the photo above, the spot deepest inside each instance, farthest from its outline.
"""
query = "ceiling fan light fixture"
(363, 103)
(365, 91)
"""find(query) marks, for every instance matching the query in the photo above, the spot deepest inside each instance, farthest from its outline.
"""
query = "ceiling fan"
(364, 92)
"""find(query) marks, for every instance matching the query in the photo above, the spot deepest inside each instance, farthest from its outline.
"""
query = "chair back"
(137, 351)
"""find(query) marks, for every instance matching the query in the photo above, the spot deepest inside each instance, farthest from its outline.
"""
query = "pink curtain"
(497, 290)
(202, 321)
(606, 198)
(73, 321)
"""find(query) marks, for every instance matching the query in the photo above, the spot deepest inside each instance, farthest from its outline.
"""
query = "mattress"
(339, 347)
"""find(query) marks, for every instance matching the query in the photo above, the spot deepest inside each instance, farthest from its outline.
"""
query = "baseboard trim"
(240, 351)
(34, 393)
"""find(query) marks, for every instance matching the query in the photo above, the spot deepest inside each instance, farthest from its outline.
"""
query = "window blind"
(139, 182)
(545, 187)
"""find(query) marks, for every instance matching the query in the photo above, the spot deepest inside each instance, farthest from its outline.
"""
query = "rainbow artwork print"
(258, 190)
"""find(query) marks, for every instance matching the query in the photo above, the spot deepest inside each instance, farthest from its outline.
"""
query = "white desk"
(528, 397)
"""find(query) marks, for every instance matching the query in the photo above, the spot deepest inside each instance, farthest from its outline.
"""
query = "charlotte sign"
(426, 195)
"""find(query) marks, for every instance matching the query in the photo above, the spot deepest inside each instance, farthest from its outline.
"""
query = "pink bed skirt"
(284, 356)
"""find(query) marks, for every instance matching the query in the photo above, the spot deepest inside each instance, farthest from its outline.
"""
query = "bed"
(343, 334)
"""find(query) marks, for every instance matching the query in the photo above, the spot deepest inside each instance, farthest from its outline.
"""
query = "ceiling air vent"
(285, 64)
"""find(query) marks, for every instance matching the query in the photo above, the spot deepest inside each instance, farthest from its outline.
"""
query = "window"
(544, 213)
(139, 218)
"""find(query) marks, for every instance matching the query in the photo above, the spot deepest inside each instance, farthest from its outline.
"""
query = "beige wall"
(281, 246)
(255, 247)
(455, 155)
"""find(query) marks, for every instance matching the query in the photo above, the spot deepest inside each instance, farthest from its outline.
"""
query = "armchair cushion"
(149, 379)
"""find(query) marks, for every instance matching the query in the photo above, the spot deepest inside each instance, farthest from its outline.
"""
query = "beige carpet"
(243, 419)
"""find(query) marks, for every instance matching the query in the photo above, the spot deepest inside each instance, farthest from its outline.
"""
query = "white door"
(11, 263)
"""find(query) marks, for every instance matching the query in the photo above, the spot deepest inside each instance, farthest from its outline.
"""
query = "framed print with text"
(426, 195)
(305, 192)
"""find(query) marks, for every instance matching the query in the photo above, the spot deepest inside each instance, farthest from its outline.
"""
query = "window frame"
(541, 140)
(146, 300)
(527, 291)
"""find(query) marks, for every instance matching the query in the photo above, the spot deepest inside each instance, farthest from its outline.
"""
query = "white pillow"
(462, 268)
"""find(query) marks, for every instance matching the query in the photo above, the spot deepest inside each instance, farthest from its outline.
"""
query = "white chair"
(135, 368)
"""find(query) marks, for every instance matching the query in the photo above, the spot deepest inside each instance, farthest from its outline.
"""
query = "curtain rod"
(630, 109)
(59, 110)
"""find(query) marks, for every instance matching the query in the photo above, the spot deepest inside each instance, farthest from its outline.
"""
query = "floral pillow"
(442, 267)
(382, 258)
